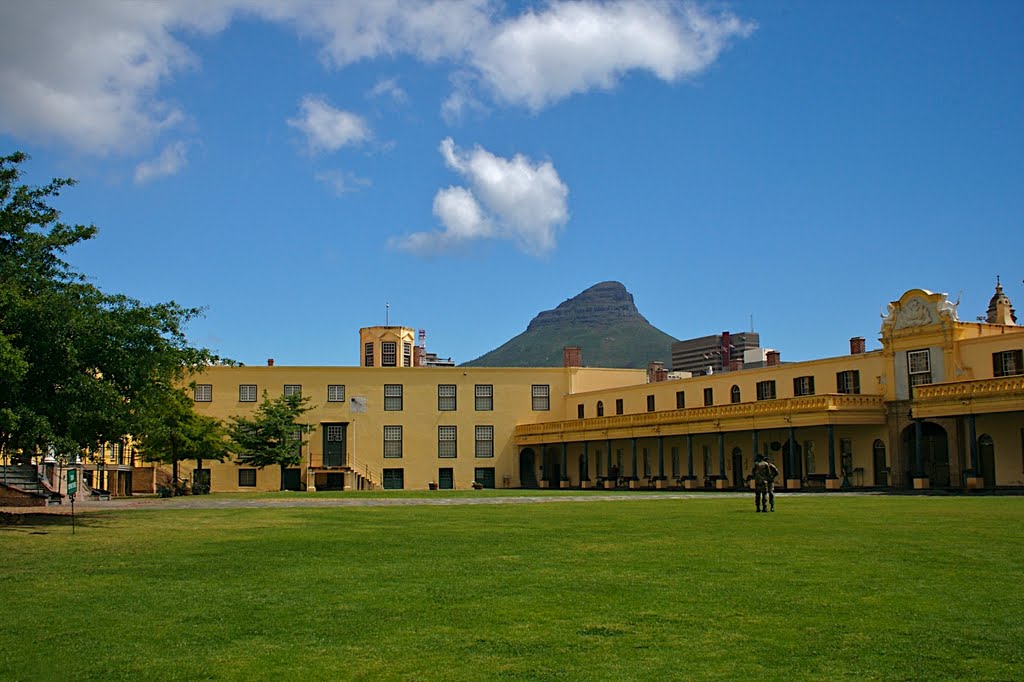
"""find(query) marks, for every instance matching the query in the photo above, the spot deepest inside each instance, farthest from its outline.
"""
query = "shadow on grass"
(41, 523)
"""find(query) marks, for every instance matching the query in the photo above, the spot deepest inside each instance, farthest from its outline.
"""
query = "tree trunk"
(282, 475)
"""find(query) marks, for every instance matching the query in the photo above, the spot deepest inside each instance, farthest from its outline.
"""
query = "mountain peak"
(604, 303)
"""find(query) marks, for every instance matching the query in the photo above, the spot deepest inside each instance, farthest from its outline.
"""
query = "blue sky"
(295, 167)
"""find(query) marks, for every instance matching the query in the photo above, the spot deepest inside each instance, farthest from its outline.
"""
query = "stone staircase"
(24, 479)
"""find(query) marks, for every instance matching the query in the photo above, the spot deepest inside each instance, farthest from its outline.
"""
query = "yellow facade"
(941, 404)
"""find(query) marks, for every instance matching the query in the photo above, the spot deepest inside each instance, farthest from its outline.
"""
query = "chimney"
(857, 345)
(270, 362)
(572, 356)
(736, 364)
(656, 372)
(773, 358)
(419, 355)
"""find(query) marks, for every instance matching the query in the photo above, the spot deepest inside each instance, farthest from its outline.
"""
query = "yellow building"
(941, 404)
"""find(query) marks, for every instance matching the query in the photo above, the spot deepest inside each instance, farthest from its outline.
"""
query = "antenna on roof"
(751, 323)
(387, 314)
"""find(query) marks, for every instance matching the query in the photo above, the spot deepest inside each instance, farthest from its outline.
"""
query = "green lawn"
(868, 587)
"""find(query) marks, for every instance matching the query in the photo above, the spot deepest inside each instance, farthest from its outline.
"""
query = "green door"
(446, 479)
(291, 479)
(334, 445)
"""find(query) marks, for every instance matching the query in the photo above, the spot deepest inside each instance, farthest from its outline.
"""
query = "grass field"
(828, 587)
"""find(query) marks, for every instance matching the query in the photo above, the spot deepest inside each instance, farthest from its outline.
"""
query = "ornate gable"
(918, 308)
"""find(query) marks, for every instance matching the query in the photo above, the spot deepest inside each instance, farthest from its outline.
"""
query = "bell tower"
(1000, 310)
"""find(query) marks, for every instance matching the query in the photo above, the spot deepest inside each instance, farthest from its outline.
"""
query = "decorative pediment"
(918, 308)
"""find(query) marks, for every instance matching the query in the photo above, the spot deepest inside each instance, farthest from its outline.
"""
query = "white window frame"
(392, 442)
(446, 397)
(368, 354)
(389, 354)
(293, 389)
(336, 393)
(919, 366)
(541, 397)
(406, 354)
(447, 442)
(393, 397)
(766, 390)
(203, 393)
(484, 441)
(247, 393)
(483, 397)
(803, 386)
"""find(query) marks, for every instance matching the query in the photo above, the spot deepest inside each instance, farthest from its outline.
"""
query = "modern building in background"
(715, 353)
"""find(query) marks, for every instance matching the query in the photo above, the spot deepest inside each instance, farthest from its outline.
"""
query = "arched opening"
(527, 468)
(878, 459)
(987, 459)
(934, 454)
(737, 468)
(600, 408)
(734, 394)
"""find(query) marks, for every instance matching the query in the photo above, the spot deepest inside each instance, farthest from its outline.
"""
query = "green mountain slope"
(603, 321)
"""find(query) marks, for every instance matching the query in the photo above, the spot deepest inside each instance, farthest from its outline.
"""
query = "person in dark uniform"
(761, 474)
(773, 473)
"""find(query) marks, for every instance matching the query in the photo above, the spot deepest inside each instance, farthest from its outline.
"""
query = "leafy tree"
(176, 432)
(273, 435)
(76, 364)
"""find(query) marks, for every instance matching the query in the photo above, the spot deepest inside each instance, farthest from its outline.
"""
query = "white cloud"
(89, 73)
(327, 128)
(389, 87)
(171, 160)
(515, 199)
(340, 182)
(539, 58)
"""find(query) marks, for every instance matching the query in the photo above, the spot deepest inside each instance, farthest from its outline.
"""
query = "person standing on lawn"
(773, 473)
(762, 474)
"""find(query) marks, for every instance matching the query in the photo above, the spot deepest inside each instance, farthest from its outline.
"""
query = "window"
(1008, 363)
(446, 397)
(389, 354)
(336, 393)
(246, 478)
(202, 393)
(766, 390)
(368, 354)
(485, 441)
(650, 403)
(406, 355)
(848, 381)
(484, 397)
(541, 397)
(600, 408)
(709, 397)
(734, 394)
(394, 479)
(393, 397)
(446, 478)
(447, 445)
(579, 411)
(484, 476)
(247, 393)
(293, 389)
(680, 400)
(392, 441)
(618, 406)
(803, 386)
(919, 366)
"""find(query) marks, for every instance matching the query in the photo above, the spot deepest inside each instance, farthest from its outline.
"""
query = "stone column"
(662, 481)
(722, 483)
(691, 480)
(585, 478)
(832, 483)
(920, 479)
(564, 483)
(974, 479)
(634, 482)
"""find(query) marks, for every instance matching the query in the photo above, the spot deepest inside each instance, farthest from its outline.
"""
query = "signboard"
(72, 481)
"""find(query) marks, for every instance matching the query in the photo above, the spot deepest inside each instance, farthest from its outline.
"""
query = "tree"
(176, 432)
(76, 364)
(273, 435)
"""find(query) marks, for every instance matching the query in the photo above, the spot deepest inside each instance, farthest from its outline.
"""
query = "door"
(291, 479)
(737, 468)
(881, 473)
(527, 470)
(987, 460)
(334, 445)
(446, 478)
